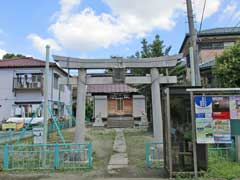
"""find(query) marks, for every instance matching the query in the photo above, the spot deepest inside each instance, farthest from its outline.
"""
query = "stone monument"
(98, 121)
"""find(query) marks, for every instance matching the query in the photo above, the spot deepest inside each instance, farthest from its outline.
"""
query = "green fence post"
(89, 155)
(147, 154)
(56, 156)
(233, 151)
(6, 157)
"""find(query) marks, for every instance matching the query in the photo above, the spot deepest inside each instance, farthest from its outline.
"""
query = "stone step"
(120, 118)
(120, 123)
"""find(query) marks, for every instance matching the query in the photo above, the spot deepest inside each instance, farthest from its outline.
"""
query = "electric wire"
(204, 7)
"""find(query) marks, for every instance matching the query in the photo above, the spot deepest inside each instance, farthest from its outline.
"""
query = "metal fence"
(61, 124)
(154, 155)
(6, 137)
(46, 156)
(222, 153)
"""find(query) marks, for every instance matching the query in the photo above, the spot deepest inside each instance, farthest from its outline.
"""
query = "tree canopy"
(155, 49)
(227, 67)
(12, 56)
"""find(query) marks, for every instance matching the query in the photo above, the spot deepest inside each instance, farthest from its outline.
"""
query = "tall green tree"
(155, 49)
(12, 56)
(227, 67)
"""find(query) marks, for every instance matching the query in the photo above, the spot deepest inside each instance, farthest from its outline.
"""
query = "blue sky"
(102, 28)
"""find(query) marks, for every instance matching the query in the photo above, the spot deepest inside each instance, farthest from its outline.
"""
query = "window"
(26, 110)
(216, 45)
(62, 87)
(228, 44)
(55, 81)
(120, 104)
(28, 80)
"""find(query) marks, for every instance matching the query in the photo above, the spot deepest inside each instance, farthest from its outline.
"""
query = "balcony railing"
(34, 83)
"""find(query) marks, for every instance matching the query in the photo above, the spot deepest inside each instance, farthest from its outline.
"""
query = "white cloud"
(85, 30)
(2, 53)
(141, 17)
(230, 8)
(231, 13)
(68, 5)
(40, 43)
(212, 6)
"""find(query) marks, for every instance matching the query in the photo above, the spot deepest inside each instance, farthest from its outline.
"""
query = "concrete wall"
(100, 106)
(29, 96)
(57, 94)
(138, 105)
(6, 94)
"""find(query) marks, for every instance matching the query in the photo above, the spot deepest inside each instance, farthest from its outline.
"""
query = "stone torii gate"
(141, 63)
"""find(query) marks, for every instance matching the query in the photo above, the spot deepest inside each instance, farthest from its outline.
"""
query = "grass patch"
(102, 141)
(223, 169)
(135, 139)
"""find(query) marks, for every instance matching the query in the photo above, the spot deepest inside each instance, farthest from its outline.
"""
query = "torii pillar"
(156, 106)
(81, 103)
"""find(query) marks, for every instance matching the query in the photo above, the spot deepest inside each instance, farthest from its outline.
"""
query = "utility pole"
(45, 107)
(195, 72)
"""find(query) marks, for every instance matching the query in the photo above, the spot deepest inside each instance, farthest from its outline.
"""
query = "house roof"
(220, 31)
(226, 31)
(27, 63)
(110, 88)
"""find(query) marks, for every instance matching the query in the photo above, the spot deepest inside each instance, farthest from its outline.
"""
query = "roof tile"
(110, 88)
(23, 62)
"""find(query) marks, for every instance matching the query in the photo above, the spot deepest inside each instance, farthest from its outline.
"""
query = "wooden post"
(237, 148)
(194, 135)
(168, 115)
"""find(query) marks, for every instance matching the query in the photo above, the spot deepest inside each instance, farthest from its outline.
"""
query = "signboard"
(204, 121)
(212, 119)
(221, 118)
(221, 107)
(38, 135)
(222, 131)
(204, 131)
(203, 106)
(234, 102)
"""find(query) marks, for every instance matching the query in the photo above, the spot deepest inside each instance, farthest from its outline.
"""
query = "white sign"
(38, 135)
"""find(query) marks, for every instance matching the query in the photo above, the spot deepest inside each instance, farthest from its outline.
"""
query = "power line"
(204, 7)
(238, 23)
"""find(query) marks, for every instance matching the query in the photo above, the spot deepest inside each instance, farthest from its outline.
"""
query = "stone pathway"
(119, 159)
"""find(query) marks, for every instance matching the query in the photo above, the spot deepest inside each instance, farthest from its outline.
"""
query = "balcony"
(28, 83)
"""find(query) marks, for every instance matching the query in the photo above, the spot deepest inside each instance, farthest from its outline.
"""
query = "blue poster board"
(212, 124)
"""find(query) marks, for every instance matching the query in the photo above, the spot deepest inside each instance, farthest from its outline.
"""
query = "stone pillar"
(81, 100)
(156, 106)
